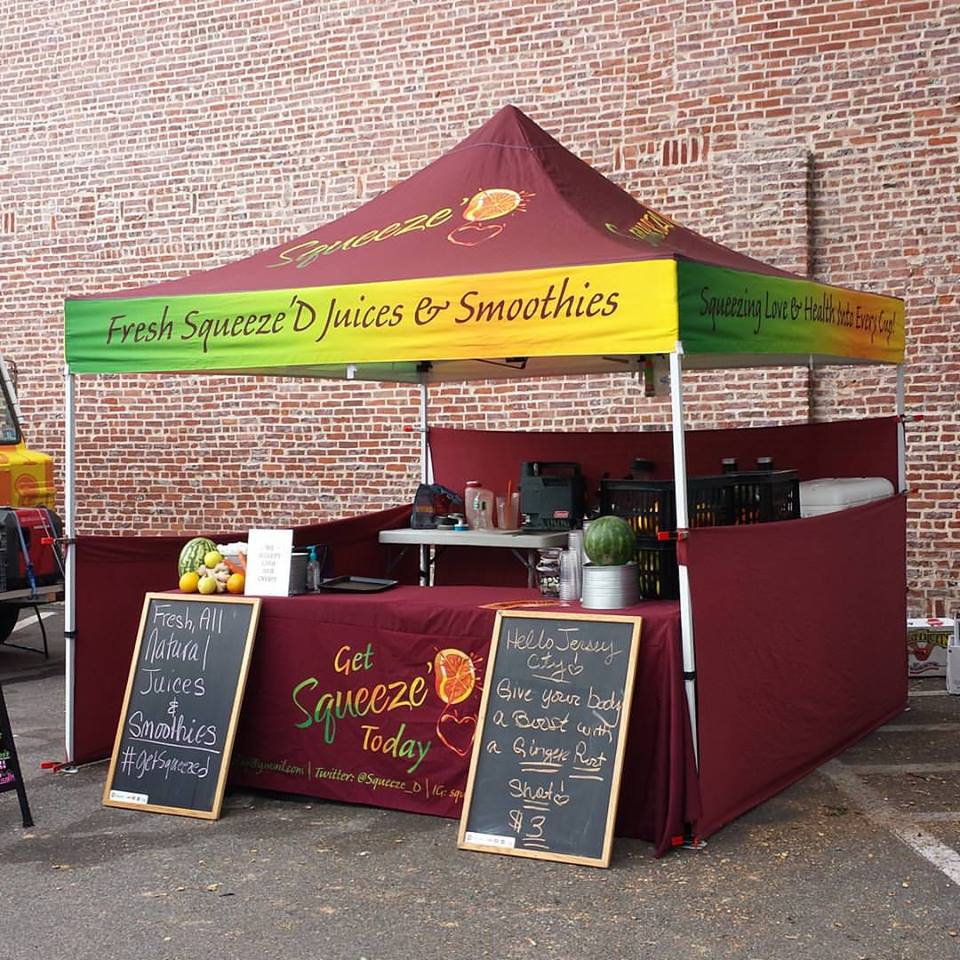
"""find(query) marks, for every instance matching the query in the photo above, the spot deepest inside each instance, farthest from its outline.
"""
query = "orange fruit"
(188, 582)
(235, 583)
(454, 676)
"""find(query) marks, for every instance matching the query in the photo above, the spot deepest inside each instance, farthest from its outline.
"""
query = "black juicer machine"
(551, 496)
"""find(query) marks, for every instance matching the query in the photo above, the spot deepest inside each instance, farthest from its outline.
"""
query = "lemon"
(189, 581)
(235, 583)
(207, 585)
(211, 558)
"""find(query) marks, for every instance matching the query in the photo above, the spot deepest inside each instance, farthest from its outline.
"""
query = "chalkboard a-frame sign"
(179, 716)
(545, 771)
(11, 776)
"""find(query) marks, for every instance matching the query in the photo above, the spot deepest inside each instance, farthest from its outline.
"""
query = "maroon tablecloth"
(343, 703)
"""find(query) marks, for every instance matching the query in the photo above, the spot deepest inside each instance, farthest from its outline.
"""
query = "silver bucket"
(610, 588)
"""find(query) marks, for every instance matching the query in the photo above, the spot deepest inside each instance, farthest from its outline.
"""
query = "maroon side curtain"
(799, 630)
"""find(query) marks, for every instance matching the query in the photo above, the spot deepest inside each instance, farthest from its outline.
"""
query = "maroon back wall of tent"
(845, 448)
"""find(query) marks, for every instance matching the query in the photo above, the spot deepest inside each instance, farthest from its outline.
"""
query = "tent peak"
(510, 127)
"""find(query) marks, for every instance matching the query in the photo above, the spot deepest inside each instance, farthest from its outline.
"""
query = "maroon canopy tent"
(508, 257)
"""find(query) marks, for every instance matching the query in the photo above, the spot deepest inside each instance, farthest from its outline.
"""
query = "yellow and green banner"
(618, 308)
(631, 308)
(725, 311)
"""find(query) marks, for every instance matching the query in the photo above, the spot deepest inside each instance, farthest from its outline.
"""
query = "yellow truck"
(28, 526)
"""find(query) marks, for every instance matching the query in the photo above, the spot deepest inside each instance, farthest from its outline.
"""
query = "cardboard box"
(927, 641)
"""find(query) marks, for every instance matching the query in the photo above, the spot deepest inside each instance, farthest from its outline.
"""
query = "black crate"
(657, 570)
(650, 506)
(765, 496)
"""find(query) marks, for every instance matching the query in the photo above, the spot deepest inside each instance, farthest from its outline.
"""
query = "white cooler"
(837, 493)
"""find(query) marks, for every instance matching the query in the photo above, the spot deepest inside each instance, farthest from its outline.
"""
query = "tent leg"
(70, 567)
(901, 429)
(683, 523)
(426, 467)
(426, 476)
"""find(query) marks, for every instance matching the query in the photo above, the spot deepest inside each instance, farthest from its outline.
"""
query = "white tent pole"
(426, 475)
(901, 429)
(70, 571)
(683, 523)
(679, 448)
(426, 468)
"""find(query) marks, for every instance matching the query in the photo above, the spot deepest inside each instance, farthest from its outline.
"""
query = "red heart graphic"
(456, 732)
(472, 234)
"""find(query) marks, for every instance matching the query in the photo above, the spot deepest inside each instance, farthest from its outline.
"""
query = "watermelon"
(192, 554)
(609, 542)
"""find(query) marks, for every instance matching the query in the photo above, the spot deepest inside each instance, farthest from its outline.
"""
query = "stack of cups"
(575, 542)
(570, 567)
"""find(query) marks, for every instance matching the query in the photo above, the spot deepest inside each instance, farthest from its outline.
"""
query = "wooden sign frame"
(214, 812)
(610, 816)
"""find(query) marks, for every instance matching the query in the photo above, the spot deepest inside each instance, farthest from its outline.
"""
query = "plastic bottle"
(478, 506)
(314, 574)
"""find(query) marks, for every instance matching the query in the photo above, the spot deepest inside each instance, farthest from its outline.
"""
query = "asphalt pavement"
(856, 861)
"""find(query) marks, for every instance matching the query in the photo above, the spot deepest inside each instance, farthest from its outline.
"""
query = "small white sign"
(489, 840)
(124, 796)
(268, 563)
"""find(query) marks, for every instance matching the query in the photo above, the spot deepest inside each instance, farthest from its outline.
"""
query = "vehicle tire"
(8, 619)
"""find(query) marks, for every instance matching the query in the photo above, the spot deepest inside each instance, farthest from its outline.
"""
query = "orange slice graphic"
(454, 675)
(490, 204)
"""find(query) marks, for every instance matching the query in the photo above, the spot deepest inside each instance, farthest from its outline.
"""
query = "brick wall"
(144, 141)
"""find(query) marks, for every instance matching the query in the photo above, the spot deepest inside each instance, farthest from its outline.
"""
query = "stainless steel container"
(610, 588)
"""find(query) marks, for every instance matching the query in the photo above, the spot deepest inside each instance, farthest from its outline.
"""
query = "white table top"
(475, 538)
